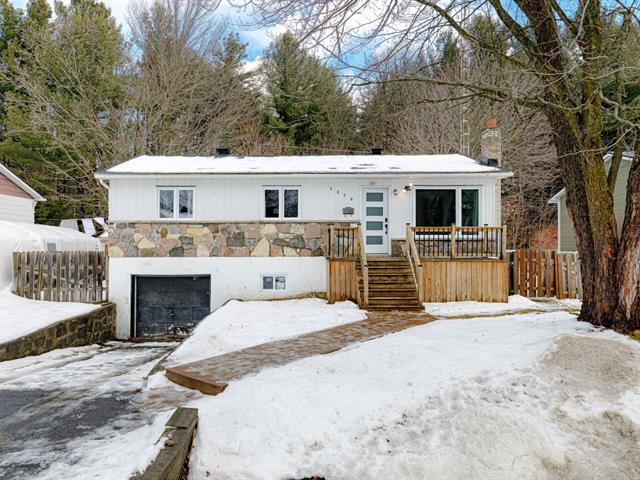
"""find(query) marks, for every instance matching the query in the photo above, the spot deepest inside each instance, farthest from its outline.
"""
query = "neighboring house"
(17, 199)
(189, 233)
(566, 234)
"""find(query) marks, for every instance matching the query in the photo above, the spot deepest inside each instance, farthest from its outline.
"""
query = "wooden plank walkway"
(212, 375)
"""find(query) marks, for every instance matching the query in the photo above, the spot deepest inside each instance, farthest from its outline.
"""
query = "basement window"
(274, 283)
(176, 202)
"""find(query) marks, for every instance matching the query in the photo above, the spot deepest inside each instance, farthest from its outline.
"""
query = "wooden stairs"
(391, 284)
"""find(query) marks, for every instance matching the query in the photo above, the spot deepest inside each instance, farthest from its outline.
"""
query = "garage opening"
(169, 305)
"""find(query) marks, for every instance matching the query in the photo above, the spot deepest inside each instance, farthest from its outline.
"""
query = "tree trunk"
(610, 266)
(590, 205)
(627, 317)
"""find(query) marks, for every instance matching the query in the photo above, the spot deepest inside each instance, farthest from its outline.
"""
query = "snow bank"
(516, 303)
(456, 309)
(455, 400)
(239, 325)
(22, 237)
(20, 316)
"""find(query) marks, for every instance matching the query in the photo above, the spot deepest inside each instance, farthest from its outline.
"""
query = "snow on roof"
(313, 164)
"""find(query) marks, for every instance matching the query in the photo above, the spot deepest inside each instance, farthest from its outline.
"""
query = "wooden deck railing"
(343, 243)
(414, 260)
(364, 266)
(347, 243)
(459, 242)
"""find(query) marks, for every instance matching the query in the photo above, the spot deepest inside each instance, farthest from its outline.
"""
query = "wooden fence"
(544, 273)
(61, 276)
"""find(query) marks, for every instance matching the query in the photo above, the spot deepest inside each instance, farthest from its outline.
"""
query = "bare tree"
(575, 52)
(420, 117)
(187, 93)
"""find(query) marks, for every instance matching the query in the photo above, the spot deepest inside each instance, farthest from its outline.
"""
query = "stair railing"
(414, 261)
(363, 265)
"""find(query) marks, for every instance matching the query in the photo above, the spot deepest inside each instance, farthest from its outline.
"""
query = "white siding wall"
(16, 209)
(231, 277)
(220, 199)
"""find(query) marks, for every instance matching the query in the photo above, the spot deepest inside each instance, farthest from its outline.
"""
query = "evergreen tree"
(307, 104)
(63, 105)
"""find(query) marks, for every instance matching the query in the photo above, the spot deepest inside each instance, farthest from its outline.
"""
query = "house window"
(175, 202)
(442, 207)
(469, 207)
(281, 202)
(274, 282)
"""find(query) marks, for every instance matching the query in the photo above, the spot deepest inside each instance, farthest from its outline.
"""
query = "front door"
(375, 220)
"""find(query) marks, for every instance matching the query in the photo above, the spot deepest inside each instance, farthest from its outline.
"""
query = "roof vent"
(222, 151)
(376, 150)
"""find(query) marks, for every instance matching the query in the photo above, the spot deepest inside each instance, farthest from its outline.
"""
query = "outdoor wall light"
(395, 192)
(407, 188)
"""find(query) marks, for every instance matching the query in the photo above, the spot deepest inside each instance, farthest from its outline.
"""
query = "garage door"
(169, 305)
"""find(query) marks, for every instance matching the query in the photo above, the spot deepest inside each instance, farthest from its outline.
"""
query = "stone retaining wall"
(173, 460)
(93, 327)
(219, 239)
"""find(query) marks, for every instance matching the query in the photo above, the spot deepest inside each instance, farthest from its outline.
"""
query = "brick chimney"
(491, 144)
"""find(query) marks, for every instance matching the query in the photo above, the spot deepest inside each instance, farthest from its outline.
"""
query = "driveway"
(55, 408)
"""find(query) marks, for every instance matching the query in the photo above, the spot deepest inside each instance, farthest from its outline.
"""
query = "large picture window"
(281, 202)
(442, 207)
(175, 202)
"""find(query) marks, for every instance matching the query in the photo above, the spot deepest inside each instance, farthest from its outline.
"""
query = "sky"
(257, 39)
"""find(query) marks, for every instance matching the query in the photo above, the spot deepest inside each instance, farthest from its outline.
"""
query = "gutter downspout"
(104, 185)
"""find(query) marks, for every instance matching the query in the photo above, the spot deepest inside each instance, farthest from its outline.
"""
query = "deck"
(446, 264)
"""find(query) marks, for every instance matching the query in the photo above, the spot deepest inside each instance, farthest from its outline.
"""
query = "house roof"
(21, 184)
(556, 198)
(302, 165)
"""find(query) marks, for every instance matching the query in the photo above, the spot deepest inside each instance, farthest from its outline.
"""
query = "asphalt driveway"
(54, 405)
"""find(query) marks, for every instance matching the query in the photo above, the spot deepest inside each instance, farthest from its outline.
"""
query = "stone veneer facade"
(257, 239)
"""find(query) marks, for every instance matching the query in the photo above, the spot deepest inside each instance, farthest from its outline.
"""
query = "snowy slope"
(244, 324)
(491, 398)
(20, 316)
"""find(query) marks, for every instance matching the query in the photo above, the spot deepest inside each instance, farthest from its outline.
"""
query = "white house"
(17, 199)
(189, 233)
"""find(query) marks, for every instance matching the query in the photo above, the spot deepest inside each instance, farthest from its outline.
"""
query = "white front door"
(375, 220)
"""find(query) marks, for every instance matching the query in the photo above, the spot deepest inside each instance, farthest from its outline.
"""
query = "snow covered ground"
(516, 303)
(20, 316)
(524, 391)
(534, 395)
(240, 325)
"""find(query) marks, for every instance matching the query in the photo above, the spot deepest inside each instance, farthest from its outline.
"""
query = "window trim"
(274, 290)
(458, 194)
(176, 202)
(281, 189)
